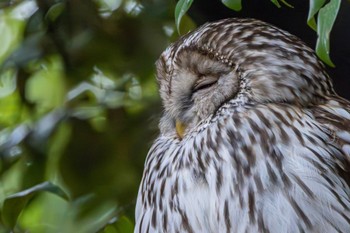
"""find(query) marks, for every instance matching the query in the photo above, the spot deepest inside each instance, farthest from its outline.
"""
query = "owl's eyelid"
(204, 83)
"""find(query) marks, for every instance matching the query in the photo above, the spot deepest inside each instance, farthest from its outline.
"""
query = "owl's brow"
(204, 50)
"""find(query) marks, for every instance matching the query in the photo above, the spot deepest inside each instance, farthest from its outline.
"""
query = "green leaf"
(7, 83)
(14, 204)
(315, 6)
(287, 4)
(122, 225)
(11, 34)
(30, 49)
(325, 21)
(187, 25)
(55, 11)
(233, 4)
(283, 1)
(182, 7)
(276, 3)
(46, 87)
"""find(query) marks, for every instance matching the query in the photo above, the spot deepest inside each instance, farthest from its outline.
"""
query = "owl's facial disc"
(199, 86)
(202, 85)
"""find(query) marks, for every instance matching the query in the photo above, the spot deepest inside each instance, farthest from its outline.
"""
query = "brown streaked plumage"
(253, 137)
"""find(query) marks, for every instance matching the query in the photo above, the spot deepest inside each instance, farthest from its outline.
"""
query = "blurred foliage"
(78, 110)
(325, 11)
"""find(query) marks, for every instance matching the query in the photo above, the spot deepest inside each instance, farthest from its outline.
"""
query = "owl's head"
(233, 59)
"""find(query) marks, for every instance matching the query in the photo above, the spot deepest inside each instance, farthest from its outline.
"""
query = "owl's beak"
(180, 128)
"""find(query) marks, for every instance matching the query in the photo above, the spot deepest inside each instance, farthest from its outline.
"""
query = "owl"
(253, 137)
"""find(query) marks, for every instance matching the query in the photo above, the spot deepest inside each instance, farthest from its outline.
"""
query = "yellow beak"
(180, 128)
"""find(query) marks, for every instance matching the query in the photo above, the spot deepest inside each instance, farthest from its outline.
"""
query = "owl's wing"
(334, 116)
(290, 166)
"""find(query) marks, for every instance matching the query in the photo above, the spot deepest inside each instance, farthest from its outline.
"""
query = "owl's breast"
(246, 172)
